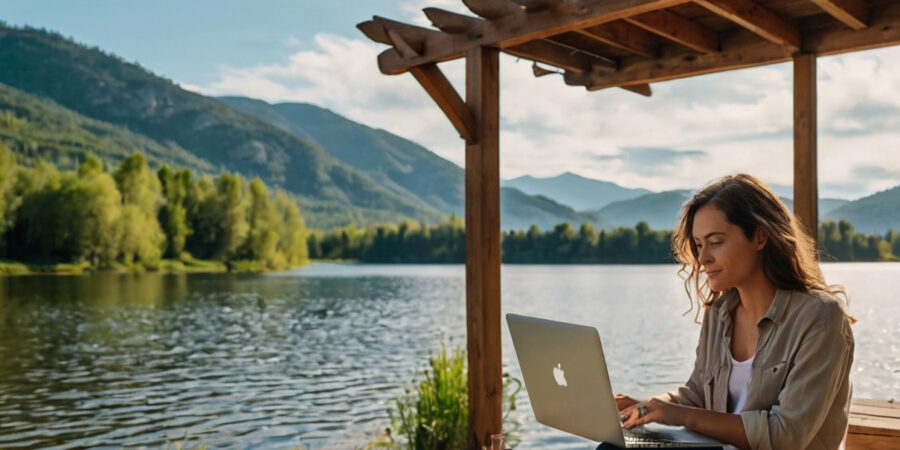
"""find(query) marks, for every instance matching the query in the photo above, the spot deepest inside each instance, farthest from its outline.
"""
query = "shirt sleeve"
(821, 365)
(692, 392)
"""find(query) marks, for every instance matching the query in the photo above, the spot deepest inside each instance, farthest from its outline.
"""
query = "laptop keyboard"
(642, 437)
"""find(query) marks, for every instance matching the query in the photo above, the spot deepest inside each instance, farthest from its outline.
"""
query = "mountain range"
(60, 100)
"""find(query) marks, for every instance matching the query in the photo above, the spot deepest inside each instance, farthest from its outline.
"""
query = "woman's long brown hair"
(789, 258)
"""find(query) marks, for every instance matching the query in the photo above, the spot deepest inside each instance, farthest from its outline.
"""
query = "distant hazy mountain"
(396, 163)
(660, 210)
(404, 166)
(519, 210)
(574, 190)
(826, 205)
(876, 213)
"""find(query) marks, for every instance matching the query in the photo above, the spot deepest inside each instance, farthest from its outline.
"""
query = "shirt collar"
(730, 300)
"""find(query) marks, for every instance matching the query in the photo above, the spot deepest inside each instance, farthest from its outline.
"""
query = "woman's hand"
(623, 401)
(653, 410)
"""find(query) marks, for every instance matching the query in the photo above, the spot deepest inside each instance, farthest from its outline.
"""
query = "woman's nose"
(705, 257)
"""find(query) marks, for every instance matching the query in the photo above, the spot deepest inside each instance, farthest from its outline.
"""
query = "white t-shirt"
(739, 384)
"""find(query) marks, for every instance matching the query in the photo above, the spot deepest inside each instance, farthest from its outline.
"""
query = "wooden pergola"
(599, 44)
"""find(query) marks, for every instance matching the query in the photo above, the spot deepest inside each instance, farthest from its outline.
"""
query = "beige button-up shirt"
(799, 394)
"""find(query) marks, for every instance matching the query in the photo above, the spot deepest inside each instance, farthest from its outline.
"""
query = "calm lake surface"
(311, 358)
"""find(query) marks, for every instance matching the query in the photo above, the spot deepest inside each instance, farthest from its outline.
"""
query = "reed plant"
(433, 413)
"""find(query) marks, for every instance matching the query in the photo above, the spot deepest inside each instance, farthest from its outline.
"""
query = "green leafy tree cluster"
(413, 242)
(134, 216)
(407, 242)
(840, 242)
(563, 244)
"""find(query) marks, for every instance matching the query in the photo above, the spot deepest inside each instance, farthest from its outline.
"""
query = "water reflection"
(313, 357)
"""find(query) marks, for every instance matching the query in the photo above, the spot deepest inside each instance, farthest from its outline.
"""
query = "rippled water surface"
(312, 358)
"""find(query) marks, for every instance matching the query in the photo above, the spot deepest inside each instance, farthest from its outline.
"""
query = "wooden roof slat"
(755, 18)
(676, 28)
(374, 31)
(451, 22)
(577, 41)
(407, 48)
(883, 30)
(516, 29)
(553, 53)
(625, 36)
(493, 9)
(642, 89)
(744, 49)
(854, 13)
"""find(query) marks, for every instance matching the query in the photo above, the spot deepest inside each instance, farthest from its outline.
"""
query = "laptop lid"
(568, 384)
(566, 378)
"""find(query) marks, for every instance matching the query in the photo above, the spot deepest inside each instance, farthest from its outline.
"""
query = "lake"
(311, 358)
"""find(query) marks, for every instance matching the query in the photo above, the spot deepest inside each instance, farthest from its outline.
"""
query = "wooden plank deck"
(874, 424)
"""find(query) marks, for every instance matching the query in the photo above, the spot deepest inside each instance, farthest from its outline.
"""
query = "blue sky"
(689, 132)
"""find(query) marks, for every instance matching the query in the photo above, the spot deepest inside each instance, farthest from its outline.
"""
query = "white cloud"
(741, 120)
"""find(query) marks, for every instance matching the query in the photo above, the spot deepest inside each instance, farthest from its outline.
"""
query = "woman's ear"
(760, 238)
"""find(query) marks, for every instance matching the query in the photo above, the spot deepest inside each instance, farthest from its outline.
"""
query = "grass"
(189, 265)
(433, 414)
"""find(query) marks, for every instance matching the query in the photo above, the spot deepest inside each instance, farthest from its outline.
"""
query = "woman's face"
(725, 254)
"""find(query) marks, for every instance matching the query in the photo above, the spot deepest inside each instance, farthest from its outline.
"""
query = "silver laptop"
(568, 385)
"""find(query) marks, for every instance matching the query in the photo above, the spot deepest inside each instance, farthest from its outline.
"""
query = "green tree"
(264, 228)
(173, 213)
(9, 202)
(96, 214)
(142, 238)
(231, 213)
(293, 242)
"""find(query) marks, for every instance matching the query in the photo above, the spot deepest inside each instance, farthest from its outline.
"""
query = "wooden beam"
(493, 9)
(374, 31)
(407, 47)
(806, 191)
(755, 18)
(553, 53)
(622, 35)
(676, 28)
(742, 49)
(521, 28)
(853, 13)
(483, 247)
(642, 89)
(883, 30)
(442, 92)
(451, 22)
(573, 41)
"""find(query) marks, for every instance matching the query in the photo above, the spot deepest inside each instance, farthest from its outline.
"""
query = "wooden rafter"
(493, 9)
(676, 28)
(451, 103)
(553, 53)
(854, 13)
(517, 29)
(755, 18)
(581, 42)
(883, 30)
(451, 22)
(745, 49)
(622, 35)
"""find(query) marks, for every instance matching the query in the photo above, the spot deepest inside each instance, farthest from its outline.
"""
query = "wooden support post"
(805, 173)
(483, 246)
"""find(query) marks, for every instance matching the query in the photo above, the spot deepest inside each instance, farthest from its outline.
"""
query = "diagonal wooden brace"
(439, 88)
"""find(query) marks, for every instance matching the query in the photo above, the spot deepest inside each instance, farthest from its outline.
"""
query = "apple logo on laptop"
(559, 375)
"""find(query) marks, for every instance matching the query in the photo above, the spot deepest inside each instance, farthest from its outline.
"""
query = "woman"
(773, 361)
